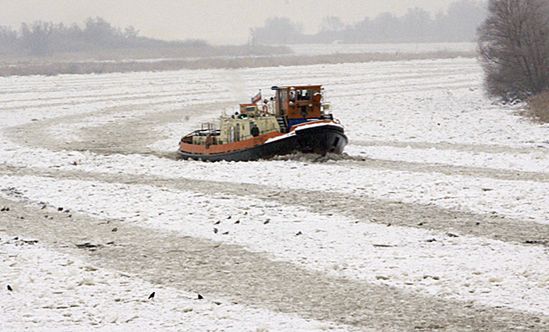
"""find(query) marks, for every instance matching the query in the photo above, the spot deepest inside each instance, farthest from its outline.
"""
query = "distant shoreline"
(50, 68)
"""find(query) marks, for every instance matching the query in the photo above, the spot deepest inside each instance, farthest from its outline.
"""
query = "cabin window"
(283, 102)
(292, 95)
(305, 94)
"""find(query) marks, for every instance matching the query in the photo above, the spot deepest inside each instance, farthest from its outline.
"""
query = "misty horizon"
(229, 22)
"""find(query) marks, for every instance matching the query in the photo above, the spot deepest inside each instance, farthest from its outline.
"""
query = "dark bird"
(266, 221)
(298, 233)
(9, 288)
(216, 230)
(59, 209)
(229, 217)
(217, 222)
(114, 229)
(237, 222)
(200, 297)
(152, 295)
(226, 233)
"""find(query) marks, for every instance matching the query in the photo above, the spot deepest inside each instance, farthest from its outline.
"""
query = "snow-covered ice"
(58, 292)
(419, 112)
(463, 268)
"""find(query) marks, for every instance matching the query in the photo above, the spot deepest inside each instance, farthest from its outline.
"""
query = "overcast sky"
(218, 21)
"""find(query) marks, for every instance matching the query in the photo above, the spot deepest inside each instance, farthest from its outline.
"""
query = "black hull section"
(321, 140)
(316, 139)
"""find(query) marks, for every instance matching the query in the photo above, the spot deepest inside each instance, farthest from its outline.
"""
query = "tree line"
(46, 38)
(458, 24)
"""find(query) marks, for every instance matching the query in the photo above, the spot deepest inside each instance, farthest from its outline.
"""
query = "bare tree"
(279, 30)
(331, 23)
(36, 38)
(514, 48)
(8, 39)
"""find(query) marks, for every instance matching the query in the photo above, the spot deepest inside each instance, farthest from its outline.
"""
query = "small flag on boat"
(256, 98)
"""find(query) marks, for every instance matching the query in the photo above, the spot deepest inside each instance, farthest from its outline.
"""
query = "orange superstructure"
(229, 147)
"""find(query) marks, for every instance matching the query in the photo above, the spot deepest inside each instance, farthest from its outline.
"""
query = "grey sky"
(218, 21)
